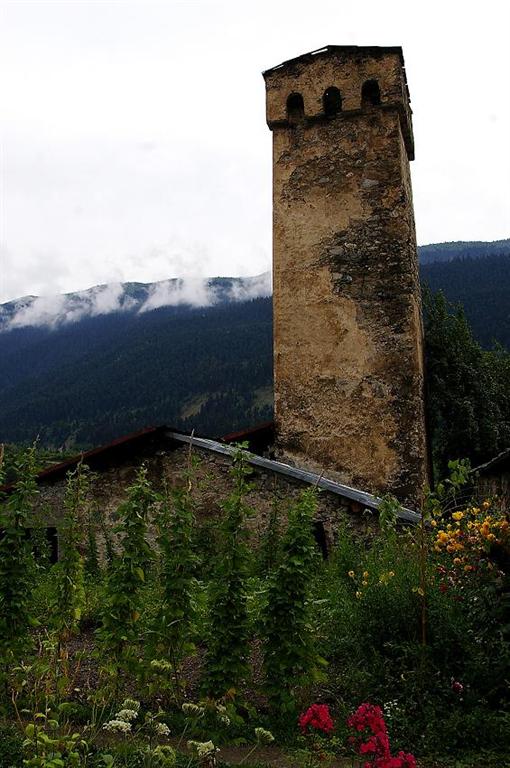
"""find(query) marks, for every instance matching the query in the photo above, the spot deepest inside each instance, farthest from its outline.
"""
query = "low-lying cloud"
(55, 311)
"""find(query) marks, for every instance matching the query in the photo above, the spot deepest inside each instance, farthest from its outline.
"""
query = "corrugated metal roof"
(311, 478)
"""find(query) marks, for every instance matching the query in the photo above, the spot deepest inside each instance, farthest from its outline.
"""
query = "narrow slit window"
(332, 101)
(370, 94)
(321, 540)
(295, 108)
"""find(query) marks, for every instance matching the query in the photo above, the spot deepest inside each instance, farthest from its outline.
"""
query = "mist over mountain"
(83, 368)
(132, 298)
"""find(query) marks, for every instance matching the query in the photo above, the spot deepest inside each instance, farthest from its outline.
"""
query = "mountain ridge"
(207, 367)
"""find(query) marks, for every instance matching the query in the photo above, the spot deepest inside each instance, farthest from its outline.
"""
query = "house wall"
(212, 483)
(495, 486)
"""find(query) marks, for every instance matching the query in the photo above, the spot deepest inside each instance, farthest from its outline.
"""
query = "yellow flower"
(364, 583)
(365, 574)
(391, 574)
(351, 574)
(358, 595)
(433, 523)
(458, 515)
(486, 504)
(457, 561)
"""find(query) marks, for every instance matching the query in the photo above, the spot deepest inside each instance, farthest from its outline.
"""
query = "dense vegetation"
(156, 654)
(482, 287)
(468, 388)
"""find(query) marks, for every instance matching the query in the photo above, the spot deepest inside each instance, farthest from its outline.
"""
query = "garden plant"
(144, 648)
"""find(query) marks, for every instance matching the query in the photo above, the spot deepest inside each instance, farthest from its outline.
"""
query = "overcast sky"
(134, 143)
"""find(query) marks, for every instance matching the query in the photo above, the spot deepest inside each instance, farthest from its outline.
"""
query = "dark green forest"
(210, 369)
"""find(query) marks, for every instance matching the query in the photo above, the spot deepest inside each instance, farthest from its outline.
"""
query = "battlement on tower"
(339, 81)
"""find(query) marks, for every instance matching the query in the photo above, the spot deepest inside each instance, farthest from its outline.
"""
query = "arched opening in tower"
(370, 94)
(332, 101)
(295, 108)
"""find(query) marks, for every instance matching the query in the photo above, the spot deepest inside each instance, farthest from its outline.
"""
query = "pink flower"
(317, 717)
(370, 718)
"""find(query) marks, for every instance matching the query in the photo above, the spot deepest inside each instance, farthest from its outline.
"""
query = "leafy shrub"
(290, 654)
(11, 749)
(227, 651)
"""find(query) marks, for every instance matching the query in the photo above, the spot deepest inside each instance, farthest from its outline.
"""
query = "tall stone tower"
(347, 312)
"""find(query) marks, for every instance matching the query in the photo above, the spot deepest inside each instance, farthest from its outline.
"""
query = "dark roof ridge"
(498, 459)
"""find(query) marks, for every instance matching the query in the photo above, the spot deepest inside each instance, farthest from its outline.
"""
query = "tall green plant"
(123, 603)
(70, 593)
(227, 652)
(289, 651)
(175, 619)
(16, 569)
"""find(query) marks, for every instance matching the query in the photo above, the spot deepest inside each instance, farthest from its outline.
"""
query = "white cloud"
(178, 292)
(54, 311)
(134, 143)
(251, 288)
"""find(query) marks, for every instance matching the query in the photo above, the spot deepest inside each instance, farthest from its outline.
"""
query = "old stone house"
(166, 453)
(493, 479)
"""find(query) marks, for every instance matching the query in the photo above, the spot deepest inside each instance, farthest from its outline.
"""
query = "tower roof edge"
(368, 50)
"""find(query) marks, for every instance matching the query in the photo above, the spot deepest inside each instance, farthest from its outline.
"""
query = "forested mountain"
(83, 369)
(461, 250)
(88, 382)
(482, 286)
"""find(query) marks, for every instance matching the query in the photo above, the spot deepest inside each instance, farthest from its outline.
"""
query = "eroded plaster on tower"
(347, 311)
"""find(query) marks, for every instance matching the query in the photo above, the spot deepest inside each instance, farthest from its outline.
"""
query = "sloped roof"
(130, 444)
(496, 464)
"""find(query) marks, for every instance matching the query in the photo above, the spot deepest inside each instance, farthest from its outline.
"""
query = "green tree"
(289, 649)
(227, 651)
(468, 403)
(123, 604)
(173, 627)
(16, 563)
(70, 593)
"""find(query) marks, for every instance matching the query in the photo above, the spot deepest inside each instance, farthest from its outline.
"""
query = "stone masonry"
(347, 312)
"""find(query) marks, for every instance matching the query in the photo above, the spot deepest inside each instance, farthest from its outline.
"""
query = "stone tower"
(347, 312)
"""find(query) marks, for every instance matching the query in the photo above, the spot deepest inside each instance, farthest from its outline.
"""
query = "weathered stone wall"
(212, 484)
(495, 486)
(346, 299)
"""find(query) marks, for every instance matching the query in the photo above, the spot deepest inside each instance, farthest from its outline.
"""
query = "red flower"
(317, 717)
(377, 745)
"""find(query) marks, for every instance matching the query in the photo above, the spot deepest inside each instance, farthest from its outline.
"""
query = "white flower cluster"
(121, 723)
(192, 710)
(117, 726)
(263, 736)
(203, 749)
(162, 729)
(127, 715)
(390, 709)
